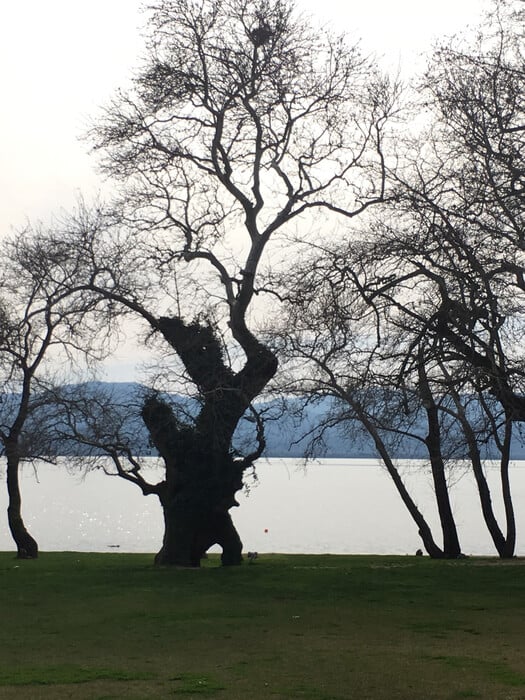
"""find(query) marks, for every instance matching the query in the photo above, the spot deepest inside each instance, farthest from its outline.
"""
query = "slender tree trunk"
(510, 543)
(423, 527)
(485, 498)
(451, 546)
(27, 548)
(424, 530)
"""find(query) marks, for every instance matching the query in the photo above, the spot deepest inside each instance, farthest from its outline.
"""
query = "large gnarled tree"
(243, 120)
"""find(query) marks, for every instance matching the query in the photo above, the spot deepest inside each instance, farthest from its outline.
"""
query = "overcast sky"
(61, 59)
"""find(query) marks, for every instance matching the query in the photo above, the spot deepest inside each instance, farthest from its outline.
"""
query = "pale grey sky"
(61, 59)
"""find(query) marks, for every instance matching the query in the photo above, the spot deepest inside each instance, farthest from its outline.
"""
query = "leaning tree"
(346, 344)
(440, 270)
(242, 121)
(459, 229)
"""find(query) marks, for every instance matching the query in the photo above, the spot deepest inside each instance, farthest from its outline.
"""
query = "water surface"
(332, 506)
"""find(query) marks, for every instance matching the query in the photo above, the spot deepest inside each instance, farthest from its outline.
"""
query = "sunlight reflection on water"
(338, 506)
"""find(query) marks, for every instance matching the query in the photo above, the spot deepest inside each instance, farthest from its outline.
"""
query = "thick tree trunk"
(202, 479)
(195, 518)
(27, 547)
(188, 534)
(202, 476)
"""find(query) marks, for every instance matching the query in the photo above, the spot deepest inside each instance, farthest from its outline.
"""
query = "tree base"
(27, 546)
(23, 554)
(185, 546)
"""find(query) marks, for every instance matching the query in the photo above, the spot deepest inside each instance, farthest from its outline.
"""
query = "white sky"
(61, 59)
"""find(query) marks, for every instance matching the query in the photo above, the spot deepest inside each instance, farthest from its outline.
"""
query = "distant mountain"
(288, 428)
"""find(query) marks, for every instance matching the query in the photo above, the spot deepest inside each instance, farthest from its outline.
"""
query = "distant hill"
(288, 428)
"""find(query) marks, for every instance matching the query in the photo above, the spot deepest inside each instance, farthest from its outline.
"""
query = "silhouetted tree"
(461, 223)
(457, 232)
(338, 344)
(41, 318)
(242, 121)
(441, 270)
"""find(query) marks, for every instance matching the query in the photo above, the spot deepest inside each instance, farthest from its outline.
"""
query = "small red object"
(266, 529)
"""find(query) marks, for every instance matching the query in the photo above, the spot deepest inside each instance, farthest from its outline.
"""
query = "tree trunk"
(424, 530)
(202, 479)
(202, 476)
(489, 517)
(499, 540)
(27, 548)
(510, 542)
(196, 517)
(451, 546)
(188, 534)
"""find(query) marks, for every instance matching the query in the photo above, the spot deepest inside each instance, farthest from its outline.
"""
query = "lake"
(331, 506)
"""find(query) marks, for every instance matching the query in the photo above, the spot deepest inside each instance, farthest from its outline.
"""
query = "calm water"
(338, 506)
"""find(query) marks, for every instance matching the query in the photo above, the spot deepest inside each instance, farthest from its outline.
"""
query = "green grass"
(313, 627)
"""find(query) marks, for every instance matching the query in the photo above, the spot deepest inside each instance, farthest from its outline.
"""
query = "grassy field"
(314, 627)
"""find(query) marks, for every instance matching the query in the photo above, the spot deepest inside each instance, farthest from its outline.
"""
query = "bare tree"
(40, 319)
(461, 222)
(340, 344)
(242, 121)
(441, 271)
(457, 233)
(359, 327)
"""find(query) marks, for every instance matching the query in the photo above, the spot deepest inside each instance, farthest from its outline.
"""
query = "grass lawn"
(314, 627)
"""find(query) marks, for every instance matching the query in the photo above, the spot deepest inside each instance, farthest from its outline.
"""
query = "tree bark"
(196, 507)
(451, 546)
(499, 540)
(510, 540)
(188, 534)
(27, 547)
(202, 477)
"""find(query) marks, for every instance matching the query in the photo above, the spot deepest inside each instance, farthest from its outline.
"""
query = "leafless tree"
(339, 344)
(462, 219)
(443, 266)
(243, 120)
(357, 327)
(41, 320)
(458, 231)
